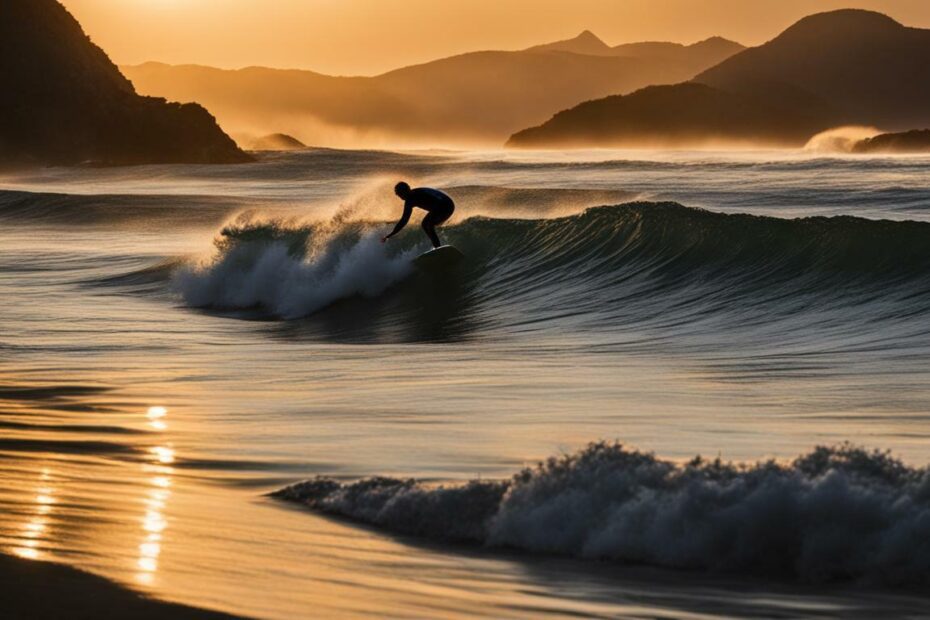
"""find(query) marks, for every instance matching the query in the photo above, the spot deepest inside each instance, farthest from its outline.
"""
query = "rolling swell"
(661, 267)
(839, 513)
(19, 207)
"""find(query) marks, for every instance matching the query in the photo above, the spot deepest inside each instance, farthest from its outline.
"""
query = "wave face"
(839, 513)
(664, 269)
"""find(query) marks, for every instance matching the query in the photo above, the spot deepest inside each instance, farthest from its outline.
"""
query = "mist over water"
(180, 341)
(840, 139)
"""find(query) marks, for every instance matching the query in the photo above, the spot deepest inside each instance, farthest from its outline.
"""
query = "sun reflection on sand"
(34, 531)
(158, 472)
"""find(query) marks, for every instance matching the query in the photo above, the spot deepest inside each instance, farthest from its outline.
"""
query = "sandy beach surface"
(37, 590)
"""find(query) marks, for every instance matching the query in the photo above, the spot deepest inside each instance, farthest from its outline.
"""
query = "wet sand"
(36, 590)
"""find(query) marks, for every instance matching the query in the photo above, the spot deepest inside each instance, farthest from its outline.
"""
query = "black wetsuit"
(439, 208)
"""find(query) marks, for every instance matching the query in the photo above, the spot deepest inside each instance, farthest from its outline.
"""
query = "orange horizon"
(367, 37)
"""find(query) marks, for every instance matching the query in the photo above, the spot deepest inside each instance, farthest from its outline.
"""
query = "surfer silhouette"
(438, 207)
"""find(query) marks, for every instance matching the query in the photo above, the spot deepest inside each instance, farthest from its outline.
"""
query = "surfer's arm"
(408, 211)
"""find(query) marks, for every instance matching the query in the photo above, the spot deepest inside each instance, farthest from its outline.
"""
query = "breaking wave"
(661, 267)
(292, 272)
(840, 513)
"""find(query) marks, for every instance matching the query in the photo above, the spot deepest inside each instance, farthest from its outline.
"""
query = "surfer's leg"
(429, 226)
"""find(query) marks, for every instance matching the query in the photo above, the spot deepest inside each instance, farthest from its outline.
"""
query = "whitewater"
(658, 379)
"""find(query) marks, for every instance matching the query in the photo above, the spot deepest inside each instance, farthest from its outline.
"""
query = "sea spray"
(292, 271)
(840, 513)
(840, 139)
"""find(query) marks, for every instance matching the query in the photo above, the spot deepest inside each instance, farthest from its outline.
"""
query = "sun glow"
(364, 37)
(34, 532)
(154, 521)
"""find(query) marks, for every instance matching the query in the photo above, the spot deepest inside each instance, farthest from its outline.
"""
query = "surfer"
(438, 207)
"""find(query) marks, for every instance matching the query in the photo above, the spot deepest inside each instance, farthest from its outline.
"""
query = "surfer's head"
(402, 190)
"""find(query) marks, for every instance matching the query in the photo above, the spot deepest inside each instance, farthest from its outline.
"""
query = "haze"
(365, 37)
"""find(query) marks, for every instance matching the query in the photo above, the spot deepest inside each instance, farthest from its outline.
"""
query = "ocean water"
(182, 346)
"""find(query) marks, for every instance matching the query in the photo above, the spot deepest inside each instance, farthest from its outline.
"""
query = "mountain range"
(65, 102)
(831, 69)
(699, 55)
(479, 97)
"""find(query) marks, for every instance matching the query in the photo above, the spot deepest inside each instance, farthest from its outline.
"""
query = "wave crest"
(836, 513)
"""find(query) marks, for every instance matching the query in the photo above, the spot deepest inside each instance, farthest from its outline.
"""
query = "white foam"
(836, 513)
(269, 275)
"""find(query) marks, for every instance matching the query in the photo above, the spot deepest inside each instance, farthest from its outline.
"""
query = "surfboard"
(438, 258)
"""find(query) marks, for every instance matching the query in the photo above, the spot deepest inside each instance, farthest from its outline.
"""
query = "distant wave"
(839, 513)
(532, 203)
(113, 209)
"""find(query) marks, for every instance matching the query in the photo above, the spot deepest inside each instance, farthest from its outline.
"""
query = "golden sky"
(370, 36)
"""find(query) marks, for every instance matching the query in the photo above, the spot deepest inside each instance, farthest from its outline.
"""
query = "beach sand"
(36, 590)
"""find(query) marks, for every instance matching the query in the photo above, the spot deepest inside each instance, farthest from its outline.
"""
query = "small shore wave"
(835, 514)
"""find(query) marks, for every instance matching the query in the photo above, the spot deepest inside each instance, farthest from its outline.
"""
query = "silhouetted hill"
(479, 97)
(839, 68)
(914, 141)
(869, 67)
(276, 142)
(667, 116)
(64, 102)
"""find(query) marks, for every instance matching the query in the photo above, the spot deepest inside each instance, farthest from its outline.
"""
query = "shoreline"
(35, 590)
